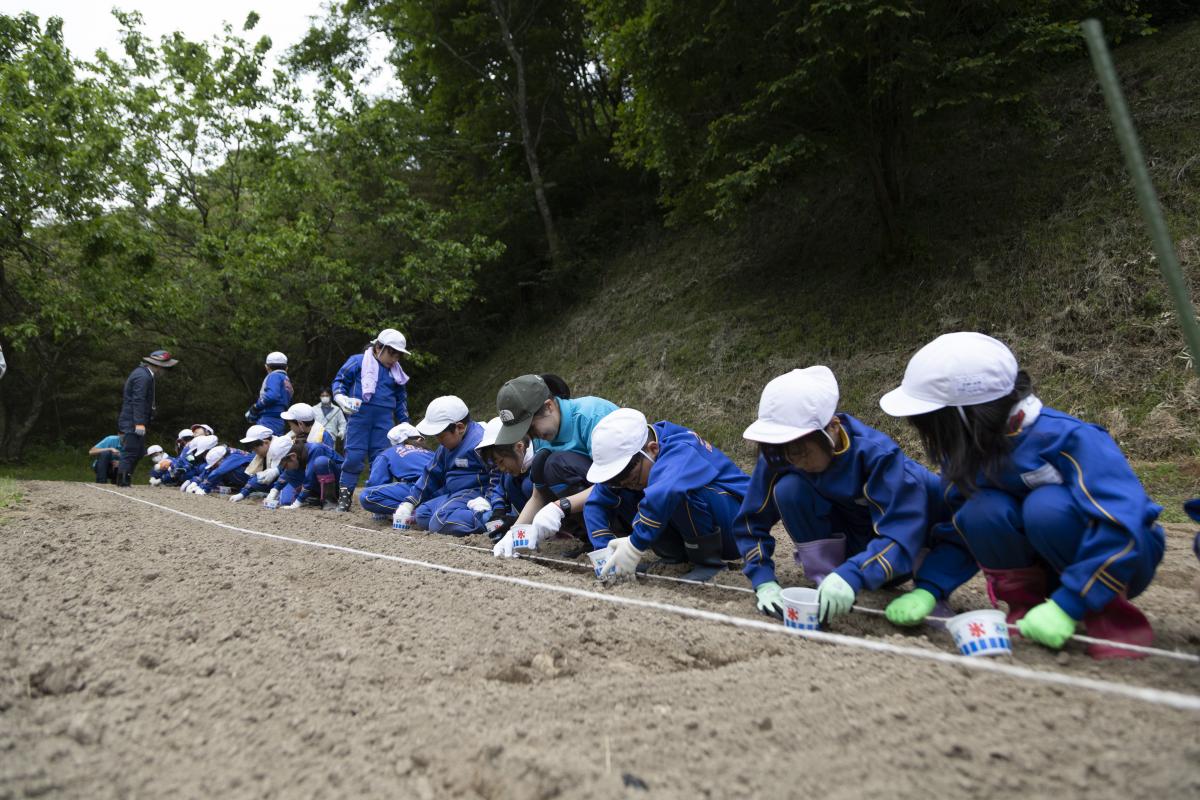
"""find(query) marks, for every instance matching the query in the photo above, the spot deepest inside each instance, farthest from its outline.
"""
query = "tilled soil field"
(148, 654)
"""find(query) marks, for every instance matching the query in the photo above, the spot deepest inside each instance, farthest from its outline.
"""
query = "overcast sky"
(88, 25)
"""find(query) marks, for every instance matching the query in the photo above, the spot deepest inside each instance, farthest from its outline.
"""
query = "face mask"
(326, 401)
(527, 459)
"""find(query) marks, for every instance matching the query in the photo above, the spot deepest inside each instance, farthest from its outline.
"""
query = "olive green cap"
(517, 402)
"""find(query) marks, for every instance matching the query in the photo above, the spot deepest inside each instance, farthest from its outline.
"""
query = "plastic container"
(599, 559)
(981, 633)
(270, 504)
(800, 608)
(400, 525)
(521, 539)
(223, 490)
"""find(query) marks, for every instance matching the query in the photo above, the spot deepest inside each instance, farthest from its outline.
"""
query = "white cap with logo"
(793, 405)
(390, 337)
(257, 433)
(299, 412)
(490, 431)
(276, 359)
(616, 439)
(402, 433)
(955, 369)
(442, 412)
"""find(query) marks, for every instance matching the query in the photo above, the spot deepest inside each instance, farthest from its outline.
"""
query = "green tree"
(723, 99)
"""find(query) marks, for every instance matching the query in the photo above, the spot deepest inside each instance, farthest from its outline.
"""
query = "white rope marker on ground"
(1152, 651)
(1159, 697)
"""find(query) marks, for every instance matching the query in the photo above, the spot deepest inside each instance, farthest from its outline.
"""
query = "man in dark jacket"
(137, 410)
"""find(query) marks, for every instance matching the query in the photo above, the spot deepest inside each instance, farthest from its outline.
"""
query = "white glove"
(183, 487)
(479, 505)
(156, 481)
(405, 514)
(195, 489)
(504, 548)
(349, 405)
(548, 520)
(493, 526)
(272, 495)
(623, 559)
(294, 504)
(237, 498)
(267, 477)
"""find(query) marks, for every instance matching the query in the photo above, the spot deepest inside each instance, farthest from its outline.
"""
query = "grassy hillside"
(1030, 233)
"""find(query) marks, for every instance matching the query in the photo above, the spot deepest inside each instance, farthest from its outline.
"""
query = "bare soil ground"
(144, 654)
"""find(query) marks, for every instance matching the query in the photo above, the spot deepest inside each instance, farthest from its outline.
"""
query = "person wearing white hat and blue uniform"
(301, 420)
(164, 466)
(308, 472)
(225, 466)
(194, 462)
(1047, 503)
(371, 389)
(259, 477)
(395, 471)
(671, 490)
(274, 396)
(449, 495)
(861, 513)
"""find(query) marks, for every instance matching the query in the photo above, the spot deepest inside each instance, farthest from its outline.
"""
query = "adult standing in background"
(330, 415)
(274, 396)
(137, 410)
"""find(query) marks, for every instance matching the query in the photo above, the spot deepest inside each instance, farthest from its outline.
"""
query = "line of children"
(1045, 504)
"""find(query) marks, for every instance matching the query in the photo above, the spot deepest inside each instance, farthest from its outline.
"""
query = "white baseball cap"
(616, 439)
(257, 433)
(793, 405)
(215, 455)
(490, 431)
(153, 450)
(280, 447)
(206, 428)
(186, 433)
(402, 433)
(299, 412)
(390, 337)
(202, 444)
(442, 412)
(955, 369)
(276, 359)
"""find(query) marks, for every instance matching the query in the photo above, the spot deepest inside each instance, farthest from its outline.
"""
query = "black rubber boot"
(344, 497)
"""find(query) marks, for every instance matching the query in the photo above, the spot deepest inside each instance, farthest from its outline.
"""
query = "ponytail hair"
(974, 441)
(557, 386)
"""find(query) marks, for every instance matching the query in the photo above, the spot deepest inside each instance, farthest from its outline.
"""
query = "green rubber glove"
(834, 597)
(1047, 624)
(770, 599)
(911, 608)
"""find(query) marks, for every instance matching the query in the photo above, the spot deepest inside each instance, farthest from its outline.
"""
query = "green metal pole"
(1151, 211)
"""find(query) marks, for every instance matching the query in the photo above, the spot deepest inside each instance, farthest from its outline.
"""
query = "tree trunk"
(528, 141)
(15, 432)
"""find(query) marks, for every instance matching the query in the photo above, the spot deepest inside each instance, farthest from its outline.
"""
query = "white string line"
(1153, 651)
(1160, 697)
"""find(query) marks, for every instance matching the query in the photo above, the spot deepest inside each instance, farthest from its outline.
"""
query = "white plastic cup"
(223, 490)
(521, 540)
(400, 524)
(800, 608)
(270, 504)
(981, 633)
(599, 559)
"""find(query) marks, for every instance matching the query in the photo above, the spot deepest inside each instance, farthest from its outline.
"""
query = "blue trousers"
(448, 513)
(366, 436)
(1005, 533)
(384, 498)
(274, 422)
(809, 517)
(700, 530)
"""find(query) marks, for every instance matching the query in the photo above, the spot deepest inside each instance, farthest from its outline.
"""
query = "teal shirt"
(106, 443)
(579, 418)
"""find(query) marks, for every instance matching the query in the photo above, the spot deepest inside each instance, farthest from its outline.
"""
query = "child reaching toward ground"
(1047, 503)
(672, 491)
(260, 478)
(307, 470)
(449, 496)
(396, 470)
(859, 511)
